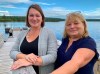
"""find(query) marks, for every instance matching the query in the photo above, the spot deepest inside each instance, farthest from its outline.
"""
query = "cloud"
(10, 6)
(25, 1)
(7, 6)
(93, 12)
(62, 12)
(4, 13)
(57, 12)
(45, 3)
(15, 1)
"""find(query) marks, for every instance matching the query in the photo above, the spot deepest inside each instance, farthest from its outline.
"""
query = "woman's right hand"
(20, 63)
(31, 58)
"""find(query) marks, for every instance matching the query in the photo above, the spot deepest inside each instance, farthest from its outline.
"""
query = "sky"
(52, 8)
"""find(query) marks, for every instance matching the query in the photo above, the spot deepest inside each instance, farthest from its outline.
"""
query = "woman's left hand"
(19, 63)
(31, 58)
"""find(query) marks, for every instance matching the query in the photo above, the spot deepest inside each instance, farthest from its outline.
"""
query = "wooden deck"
(5, 61)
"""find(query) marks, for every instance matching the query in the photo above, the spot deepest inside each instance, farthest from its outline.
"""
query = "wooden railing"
(1, 40)
(97, 67)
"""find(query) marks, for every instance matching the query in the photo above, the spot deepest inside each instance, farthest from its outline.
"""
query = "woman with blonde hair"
(77, 53)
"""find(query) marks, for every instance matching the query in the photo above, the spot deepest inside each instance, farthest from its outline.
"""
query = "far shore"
(22, 19)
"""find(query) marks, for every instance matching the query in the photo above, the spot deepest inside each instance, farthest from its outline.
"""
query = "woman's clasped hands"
(32, 58)
(29, 59)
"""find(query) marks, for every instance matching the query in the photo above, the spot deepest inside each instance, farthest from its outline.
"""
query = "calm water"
(57, 28)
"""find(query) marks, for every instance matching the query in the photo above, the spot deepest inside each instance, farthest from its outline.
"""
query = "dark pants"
(10, 34)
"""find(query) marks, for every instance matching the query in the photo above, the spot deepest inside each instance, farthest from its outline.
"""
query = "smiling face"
(75, 28)
(34, 18)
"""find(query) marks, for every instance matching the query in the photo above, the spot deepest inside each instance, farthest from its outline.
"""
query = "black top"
(64, 56)
(30, 47)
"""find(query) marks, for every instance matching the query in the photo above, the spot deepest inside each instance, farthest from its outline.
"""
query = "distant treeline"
(23, 18)
(93, 19)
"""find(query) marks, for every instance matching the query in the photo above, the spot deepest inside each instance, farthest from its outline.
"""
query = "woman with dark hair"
(36, 46)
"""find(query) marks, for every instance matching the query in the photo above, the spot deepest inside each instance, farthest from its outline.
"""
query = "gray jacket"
(47, 49)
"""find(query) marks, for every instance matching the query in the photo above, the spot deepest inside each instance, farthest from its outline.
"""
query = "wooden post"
(97, 67)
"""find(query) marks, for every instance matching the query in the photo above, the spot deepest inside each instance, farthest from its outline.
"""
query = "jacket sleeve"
(51, 52)
(15, 49)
